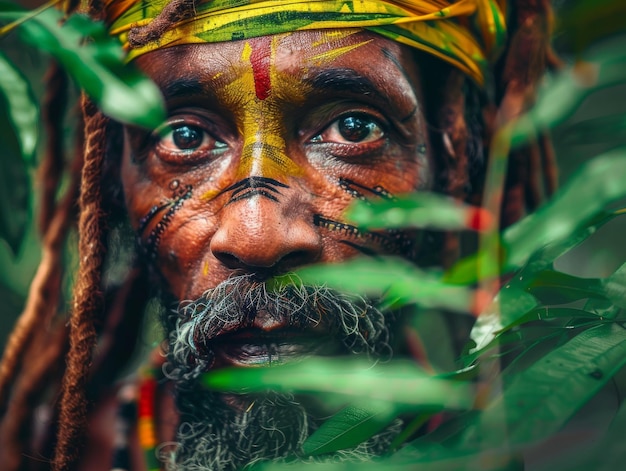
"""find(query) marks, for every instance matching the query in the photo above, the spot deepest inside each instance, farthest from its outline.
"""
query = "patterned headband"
(466, 33)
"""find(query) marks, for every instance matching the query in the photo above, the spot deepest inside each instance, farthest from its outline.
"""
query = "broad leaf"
(21, 108)
(465, 271)
(585, 195)
(541, 399)
(615, 287)
(349, 427)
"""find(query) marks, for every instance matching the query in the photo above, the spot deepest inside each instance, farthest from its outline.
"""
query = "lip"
(258, 347)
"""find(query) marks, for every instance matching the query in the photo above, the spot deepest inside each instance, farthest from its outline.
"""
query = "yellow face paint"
(333, 54)
(257, 93)
(328, 36)
(264, 148)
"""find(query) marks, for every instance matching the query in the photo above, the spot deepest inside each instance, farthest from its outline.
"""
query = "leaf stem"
(6, 29)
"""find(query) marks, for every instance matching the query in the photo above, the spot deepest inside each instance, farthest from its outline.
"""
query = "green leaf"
(15, 192)
(466, 271)
(424, 210)
(591, 189)
(602, 308)
(566, 91)
(96, 61)
(611, 129)
(21, 107)
(542, 398)
(544, 257)
(514, 303)
(488, 460)
(399, 382)
(397, 280)
(615, 287)
(349, 427)
(553, 287)
(554, 321)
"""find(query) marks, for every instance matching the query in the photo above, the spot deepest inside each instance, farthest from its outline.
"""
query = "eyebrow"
(346, 81)
(183, 87)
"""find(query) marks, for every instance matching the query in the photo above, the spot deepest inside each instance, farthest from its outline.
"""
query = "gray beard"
(224, 432)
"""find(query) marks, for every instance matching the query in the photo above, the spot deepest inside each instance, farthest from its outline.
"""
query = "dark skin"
(269, 140)
(339, 117)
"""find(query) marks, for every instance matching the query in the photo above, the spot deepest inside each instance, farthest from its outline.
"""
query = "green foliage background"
(561, 315)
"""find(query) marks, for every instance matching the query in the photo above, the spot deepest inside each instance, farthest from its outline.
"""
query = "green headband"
(466, 34)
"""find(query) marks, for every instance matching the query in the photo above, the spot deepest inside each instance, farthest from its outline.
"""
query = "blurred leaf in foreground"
(21, 108)
(395, 280)
(96, 61)
(399, 382)
(15, 194)
(564, 92)
(586, 194)
(575, 212)
(423, 210)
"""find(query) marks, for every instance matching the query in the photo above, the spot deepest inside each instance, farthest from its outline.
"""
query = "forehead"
(364, 58)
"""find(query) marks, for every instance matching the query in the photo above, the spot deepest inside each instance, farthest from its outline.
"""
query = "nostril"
(296, 259)
(290, 261)
(229, 260)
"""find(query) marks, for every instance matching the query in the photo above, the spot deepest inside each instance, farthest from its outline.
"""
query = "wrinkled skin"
(272, 107)
(267, 143)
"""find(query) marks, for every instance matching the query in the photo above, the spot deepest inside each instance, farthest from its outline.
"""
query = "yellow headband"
(446, 30)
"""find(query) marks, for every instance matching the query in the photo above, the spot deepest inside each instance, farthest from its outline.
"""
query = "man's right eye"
(187, 137)
(182, 142)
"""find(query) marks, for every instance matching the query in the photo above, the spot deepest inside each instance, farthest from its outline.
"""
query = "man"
(279, 117)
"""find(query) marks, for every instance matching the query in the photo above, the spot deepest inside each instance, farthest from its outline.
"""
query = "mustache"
(239, 301)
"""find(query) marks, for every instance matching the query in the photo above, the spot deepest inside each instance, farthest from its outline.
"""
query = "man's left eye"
(351, 129)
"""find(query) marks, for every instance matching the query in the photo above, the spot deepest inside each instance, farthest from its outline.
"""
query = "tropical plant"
(542, 347)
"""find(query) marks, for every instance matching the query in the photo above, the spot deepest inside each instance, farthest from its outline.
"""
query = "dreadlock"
(462, 124)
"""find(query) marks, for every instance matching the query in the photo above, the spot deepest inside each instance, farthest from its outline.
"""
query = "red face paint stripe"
(260, 59)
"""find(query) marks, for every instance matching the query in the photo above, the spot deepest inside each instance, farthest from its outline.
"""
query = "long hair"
(50, 361)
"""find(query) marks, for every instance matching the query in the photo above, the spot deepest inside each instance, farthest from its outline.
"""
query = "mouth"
(258, 347)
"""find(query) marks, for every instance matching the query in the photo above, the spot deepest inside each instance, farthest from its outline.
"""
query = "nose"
(263, 236)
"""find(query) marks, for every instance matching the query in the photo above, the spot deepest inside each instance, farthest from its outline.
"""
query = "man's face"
(268, 141)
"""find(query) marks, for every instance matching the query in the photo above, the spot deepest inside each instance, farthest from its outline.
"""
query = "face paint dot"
(174, 184)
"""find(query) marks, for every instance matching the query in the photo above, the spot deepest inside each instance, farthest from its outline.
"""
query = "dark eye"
(187, 137)
(183, 142)
(352, 129)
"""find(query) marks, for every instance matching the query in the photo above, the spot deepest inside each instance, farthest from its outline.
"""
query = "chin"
(224, 432)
